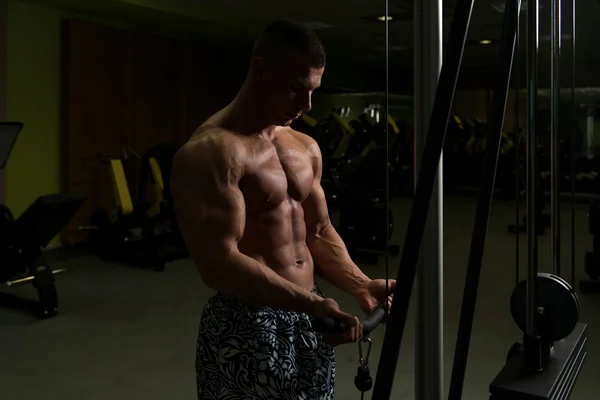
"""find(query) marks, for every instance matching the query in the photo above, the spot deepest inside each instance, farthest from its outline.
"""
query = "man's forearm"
(333, 263)
(243, 277)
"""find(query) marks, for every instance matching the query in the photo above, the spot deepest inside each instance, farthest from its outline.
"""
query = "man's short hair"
(288, 36)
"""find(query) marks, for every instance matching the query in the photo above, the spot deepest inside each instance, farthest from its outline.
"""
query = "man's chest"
(277, 171)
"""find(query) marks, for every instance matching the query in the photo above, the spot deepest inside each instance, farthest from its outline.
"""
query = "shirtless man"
(250, 206)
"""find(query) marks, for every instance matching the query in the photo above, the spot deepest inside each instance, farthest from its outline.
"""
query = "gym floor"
(125, 333)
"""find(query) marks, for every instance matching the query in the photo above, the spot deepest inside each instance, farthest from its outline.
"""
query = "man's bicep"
(210, 211)
(316, 213)
(224, 216)
(315, 153)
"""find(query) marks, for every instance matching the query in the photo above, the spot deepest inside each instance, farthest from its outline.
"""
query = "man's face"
(288, 87)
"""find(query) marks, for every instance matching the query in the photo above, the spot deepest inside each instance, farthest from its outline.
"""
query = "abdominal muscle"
(277, 239)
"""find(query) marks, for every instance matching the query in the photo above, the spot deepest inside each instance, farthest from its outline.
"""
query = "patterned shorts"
(247, 352)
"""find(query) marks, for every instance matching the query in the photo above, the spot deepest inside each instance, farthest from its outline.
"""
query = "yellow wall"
(33, 97)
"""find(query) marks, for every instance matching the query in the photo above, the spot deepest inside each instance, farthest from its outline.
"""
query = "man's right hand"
(329, 308)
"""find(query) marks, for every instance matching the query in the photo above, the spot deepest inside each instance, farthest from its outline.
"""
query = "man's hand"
(374, 294)
(330, 308)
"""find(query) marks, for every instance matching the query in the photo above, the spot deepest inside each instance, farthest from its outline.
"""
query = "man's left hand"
(374, 294)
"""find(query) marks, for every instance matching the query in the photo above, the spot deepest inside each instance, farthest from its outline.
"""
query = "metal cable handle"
(330, 325)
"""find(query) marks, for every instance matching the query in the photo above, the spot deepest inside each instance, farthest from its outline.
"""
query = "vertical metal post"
(517, 146)
(573, 142)
(556, 36)
(419, 213)
(532, 168)
(428, 32)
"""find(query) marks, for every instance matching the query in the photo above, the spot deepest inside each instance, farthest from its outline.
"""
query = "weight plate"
(575, 297)
(557, 306)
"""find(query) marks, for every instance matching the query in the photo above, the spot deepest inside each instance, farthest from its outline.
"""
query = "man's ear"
(257, 66)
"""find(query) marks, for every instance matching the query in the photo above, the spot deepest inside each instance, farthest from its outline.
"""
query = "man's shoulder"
(301, 136)
(214, 138)
(308, 141)
(212, 144)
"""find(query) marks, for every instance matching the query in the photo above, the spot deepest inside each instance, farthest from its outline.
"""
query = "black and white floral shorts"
(247, 352)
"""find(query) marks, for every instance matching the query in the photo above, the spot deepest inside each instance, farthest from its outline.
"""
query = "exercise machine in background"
(548, 360)
(134, 234)
(22, 240)
(155, 166)
(154, 194)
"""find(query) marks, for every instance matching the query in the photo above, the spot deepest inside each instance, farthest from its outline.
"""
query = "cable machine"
(546, 363)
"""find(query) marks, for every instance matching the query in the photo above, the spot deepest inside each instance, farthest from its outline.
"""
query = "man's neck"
(246, 115)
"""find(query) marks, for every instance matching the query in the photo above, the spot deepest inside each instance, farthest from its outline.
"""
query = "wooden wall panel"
(96, 109)
(157, 96)
(212, 79)
(125, 88)
(200, 89)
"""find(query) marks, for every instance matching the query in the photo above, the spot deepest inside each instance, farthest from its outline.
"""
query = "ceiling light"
(392, 17)
(485, 41)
